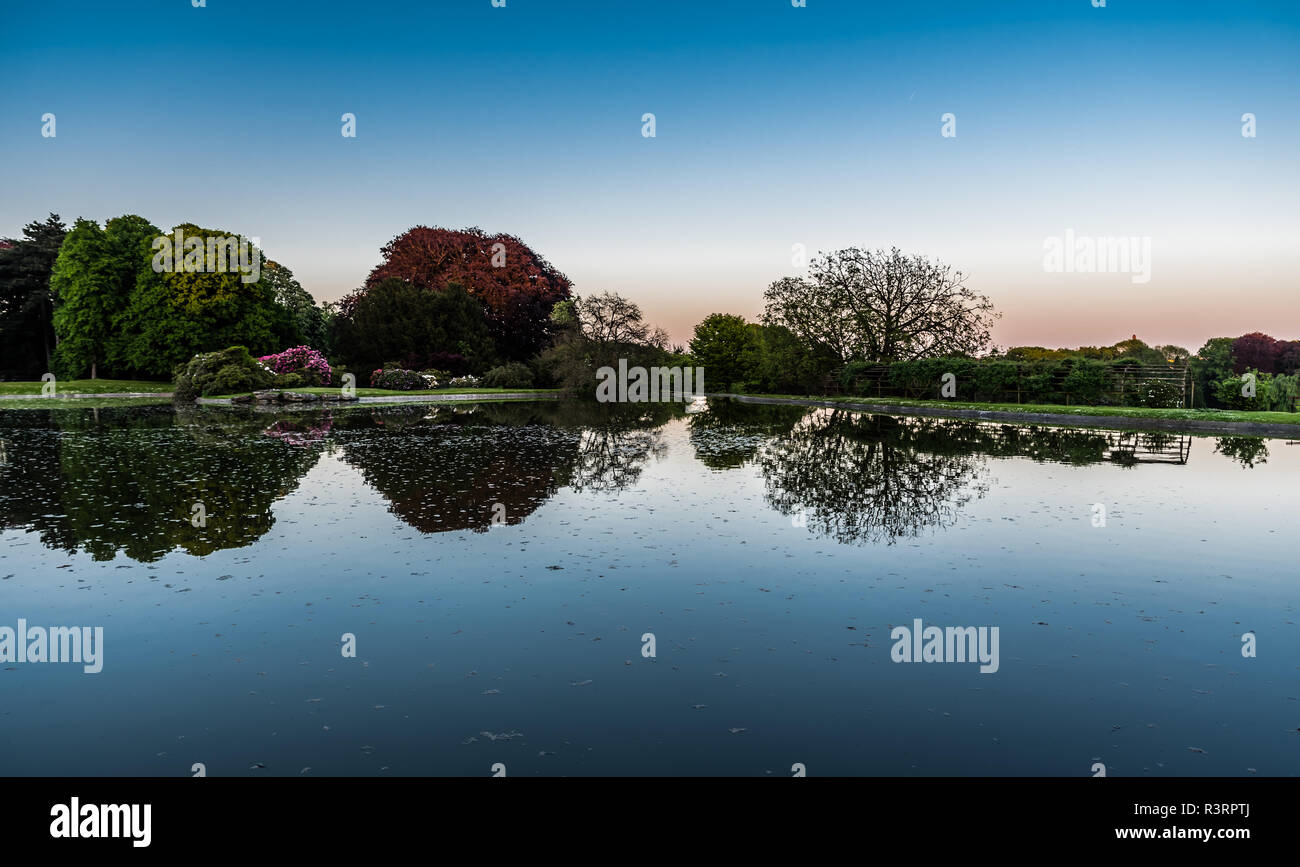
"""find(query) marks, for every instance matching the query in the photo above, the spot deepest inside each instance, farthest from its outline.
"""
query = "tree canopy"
(882, 306)
(517, 287)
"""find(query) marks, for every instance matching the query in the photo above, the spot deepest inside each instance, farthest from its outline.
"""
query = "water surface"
(500, 563)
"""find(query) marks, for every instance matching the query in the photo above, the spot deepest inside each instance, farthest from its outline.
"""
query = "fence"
(1168, 385)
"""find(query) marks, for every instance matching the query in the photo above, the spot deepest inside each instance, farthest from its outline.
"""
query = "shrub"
(1156, 393)
(1230, 393)
(289, 380)
(397, 379)
(309, 364)
(463, 382)
(230, 371)
(512, 375)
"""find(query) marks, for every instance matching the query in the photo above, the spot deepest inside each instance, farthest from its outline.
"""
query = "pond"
(574, 589)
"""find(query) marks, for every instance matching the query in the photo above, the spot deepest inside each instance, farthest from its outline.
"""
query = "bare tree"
(609, 319)
(882, 306)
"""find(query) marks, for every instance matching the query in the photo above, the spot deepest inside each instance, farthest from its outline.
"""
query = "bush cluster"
(229, 371)
(398, 379)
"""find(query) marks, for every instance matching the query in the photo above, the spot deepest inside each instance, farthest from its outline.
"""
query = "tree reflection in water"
(869, 478)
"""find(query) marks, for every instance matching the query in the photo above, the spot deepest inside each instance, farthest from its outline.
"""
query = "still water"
(504, 569)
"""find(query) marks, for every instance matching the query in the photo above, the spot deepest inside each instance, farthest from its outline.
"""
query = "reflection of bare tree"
(609, 459)
(867, 479)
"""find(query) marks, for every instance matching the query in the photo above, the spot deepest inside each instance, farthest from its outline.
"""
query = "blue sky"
(775, 126)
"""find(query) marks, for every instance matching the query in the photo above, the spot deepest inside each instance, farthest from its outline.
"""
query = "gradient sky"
(775, 126)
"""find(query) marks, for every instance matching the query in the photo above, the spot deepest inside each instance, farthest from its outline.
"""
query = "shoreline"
(1124, 422)
(318, 402)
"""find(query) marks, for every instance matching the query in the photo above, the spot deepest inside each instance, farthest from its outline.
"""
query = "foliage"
(1255, 351)
(397, 379)
(596, 332)
(230, 371)
(726, 348)
(395, 320)
(174, 314)
(26, 307)
(1232, 393)
(92, 283)
(516, 286)
(882, 306)
(303, 321)
(309, 364)
(512, 375)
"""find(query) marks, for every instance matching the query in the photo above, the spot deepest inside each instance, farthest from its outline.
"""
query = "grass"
(388, 392)
(1229, 415)
(81, 402)
(87, 386)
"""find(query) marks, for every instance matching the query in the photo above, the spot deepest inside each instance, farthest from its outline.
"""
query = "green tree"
(727, 349)
(306, 322)
(176, 313)
(92, 283)
(27, 336)
(397, 321)
(1210, 366)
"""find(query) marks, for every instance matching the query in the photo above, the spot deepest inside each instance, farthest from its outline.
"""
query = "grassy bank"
(81, 402)
(88, 386)
(388, 392)
(1220, 416)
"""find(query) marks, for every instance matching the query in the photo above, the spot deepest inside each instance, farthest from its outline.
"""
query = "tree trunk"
(92, 370)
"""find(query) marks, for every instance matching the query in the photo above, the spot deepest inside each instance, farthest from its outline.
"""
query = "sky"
(775, 126)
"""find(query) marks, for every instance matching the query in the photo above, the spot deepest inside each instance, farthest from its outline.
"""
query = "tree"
(397, 321)
(727, 349)
(517, 287)
(306, 322)
(26, 312)
(1255, 351)
(595, 332)
(882, 306)
(1288, 357)
(92, 283)
(1211, 364)
(175, 314)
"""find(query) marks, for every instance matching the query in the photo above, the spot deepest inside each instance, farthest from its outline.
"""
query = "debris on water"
(1196, 750)
(304, 770)
(256, 765)
(579, 682)
(490, 692)
(736, 731)
(698, 706)
(503, 736)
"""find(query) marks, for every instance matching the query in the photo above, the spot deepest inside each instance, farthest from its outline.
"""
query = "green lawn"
(388, 392)
(81, 402)
(1113, 411)
(87, 386)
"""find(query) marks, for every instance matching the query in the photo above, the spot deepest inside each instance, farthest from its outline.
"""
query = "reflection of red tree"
(299, 433)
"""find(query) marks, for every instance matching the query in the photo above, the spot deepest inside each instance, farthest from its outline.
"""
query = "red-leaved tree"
(1255, 351)
(516, 286)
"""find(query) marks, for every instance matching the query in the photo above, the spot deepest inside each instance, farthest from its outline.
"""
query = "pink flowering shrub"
(301, 360)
